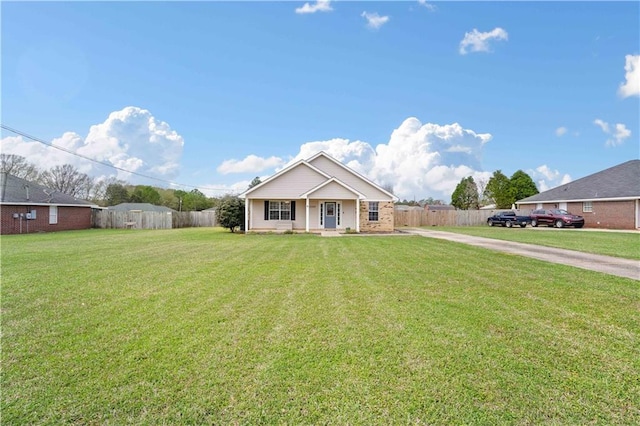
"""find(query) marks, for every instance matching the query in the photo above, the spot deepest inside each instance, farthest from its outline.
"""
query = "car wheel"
(509, 224)
(559, 224)
(534, 223)
(523, 225)
(490, 223)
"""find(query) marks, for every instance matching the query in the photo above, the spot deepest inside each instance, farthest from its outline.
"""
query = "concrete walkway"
(625, 268)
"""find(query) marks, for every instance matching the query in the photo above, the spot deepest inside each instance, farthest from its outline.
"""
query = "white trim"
(246, 214)
(580, 200)
(280, 173)
(353, 172)
(306, 216)
(327, 182)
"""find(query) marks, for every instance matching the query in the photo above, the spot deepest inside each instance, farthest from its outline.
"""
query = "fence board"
(152, 220)
(445, 217)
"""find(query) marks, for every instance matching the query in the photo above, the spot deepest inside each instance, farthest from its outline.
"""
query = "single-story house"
(607, 199)
(317, 194)
(28, 207)
(140, 207)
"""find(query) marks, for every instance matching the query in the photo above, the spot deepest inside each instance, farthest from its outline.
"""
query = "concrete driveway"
(625, 268)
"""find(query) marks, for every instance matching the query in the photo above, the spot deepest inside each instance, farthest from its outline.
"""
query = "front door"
(330, 215)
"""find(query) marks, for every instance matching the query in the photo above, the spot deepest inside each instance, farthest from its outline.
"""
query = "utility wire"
(68, 151)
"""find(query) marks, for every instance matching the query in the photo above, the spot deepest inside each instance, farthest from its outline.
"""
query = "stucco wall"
(69, 218)
(385, 217)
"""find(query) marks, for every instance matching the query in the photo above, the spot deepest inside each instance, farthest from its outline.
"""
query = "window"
(53, 215)
(373, 211)
(280, 210)
(587, 207)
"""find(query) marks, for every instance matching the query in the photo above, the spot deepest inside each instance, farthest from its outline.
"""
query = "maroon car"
(556, 217)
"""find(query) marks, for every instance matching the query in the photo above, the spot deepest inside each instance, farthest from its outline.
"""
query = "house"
(438, 207)
(317, 194)
(607, 199)
(27, 207)
(142, 207)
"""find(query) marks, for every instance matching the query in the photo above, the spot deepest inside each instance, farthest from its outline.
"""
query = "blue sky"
(411, 94)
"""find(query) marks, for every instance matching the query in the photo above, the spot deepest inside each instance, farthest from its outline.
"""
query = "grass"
(617, 244)
(199, 326)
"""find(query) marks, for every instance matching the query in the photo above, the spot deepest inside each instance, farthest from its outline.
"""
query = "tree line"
(500, 190)
(104, 192)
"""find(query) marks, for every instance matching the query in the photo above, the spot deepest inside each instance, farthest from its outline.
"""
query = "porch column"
(246, 214)
(306, 214)
(358, 214)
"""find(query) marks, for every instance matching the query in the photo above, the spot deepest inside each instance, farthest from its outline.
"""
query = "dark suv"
(556, 217)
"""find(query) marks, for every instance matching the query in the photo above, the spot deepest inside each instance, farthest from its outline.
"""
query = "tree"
(231, 212)
(193, 201)
(256, 181)
(522, 185)
(68, 180)
(116, 193)
(465, 196)
(498, 190)
(18, 166)
(145, 194)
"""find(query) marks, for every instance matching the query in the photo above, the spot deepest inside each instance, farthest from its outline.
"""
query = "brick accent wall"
(69, 218)
(385, 222)
(605, 214)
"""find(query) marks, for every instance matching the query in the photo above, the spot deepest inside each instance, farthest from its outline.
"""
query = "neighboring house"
(607, 199)
(316, 194)
(438, 207)
(142, 207)
(28, 207)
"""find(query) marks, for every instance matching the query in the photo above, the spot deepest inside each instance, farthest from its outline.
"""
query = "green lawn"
(618, 244)
(200, 326)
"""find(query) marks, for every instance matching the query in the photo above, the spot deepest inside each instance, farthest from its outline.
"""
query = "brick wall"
(385, 222)
(69, 218)
(605, 214)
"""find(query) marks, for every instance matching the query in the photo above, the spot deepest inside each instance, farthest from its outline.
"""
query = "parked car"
(508, 219)
(556, 217)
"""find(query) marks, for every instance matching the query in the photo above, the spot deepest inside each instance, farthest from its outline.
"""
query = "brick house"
(317, 194)
(26, 207)
(609, 199)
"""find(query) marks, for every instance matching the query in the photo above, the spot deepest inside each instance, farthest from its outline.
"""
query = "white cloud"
(561, 131)
(547, 178)
(420, 160)
(475, 41)
(429, 6)
(374, 20)
(319, 6)
(131, 139)
(250, 164)
(618, 134)
(631, 87)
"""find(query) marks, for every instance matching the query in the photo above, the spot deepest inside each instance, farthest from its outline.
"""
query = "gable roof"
(324, 174)
(332, 181)
(15, 190)
(615, 183)
(145, 207)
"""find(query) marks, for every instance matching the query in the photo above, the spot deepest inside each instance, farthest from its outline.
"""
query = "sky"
(414, 95)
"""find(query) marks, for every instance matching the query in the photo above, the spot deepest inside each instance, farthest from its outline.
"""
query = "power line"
(68, 151)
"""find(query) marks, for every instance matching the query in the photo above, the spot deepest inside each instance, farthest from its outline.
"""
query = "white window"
(373, 211)
(587, 207)
(279, 210)
(53, 215)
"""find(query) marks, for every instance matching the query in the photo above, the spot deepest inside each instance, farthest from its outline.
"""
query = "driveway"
(625, 268)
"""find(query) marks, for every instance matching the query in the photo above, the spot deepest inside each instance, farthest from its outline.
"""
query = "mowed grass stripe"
(203, 326)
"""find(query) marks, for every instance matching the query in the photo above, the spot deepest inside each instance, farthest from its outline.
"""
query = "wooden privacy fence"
(152, 220)
(445, 217)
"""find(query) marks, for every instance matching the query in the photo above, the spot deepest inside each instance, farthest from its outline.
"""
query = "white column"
(306, 213)
(246, 214)
(358, 214)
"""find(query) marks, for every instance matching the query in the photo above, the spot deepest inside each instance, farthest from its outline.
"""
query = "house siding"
(69, 218)
(385, 222)
(290, 185)
(354, 181)
(605, 214)
(333, 190)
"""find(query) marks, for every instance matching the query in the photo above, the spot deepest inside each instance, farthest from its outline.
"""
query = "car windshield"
(560, 211)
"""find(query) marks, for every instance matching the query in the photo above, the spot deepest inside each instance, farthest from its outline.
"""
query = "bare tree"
(18, 166)
(67, 179)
